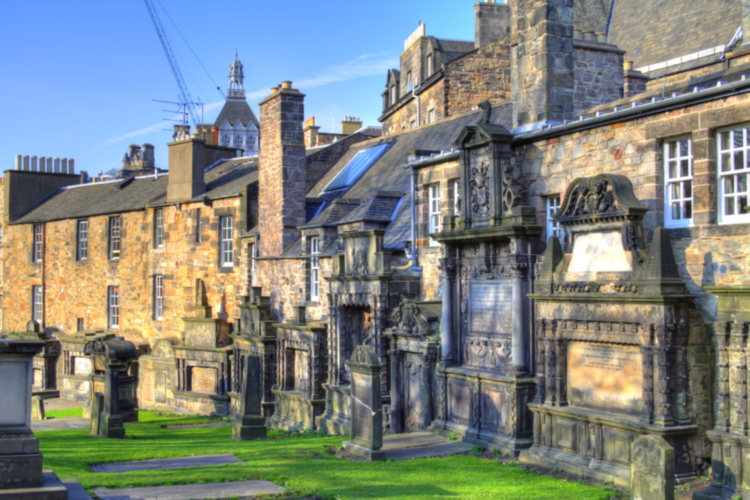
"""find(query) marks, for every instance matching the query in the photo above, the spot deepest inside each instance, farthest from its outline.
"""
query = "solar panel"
(356, 167)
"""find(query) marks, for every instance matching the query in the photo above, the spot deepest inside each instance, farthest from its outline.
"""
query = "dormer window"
(226, 140)
(429, 65)
(409, 86)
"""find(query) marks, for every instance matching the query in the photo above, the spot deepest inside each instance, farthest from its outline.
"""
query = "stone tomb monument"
(652, 469)
(621, 350)
(366, 405)
(486, 375)
(111, 357)
(21, 474)
(249, 422)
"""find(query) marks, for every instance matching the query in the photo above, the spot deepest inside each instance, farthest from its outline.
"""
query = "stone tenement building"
(555, 274)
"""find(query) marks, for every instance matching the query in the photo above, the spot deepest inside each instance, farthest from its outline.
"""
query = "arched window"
(239, 141)
(226, 140)
(250, 142)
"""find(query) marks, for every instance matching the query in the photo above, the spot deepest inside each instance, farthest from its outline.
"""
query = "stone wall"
(707, 253)
(432, 97)
(481, 75)
(598, 74)
(78, 289)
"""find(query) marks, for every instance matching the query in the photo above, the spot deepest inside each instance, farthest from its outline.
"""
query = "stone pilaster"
(281, 175)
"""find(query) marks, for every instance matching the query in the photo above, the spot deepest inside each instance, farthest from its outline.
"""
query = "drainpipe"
(413, 177)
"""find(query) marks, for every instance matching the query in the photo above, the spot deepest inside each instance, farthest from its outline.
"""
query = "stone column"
(446, 339)
(518, 348)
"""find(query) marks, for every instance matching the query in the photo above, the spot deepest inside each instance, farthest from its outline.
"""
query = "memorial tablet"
(605, 376)
(491, 311)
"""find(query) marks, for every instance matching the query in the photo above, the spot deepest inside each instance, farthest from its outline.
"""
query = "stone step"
(194, 491)
(438, 450)
(167, 463)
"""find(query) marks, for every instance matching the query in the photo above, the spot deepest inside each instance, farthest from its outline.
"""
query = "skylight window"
(356, 167)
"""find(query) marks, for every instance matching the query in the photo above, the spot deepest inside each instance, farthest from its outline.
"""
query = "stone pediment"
(605, 196)
(481, 134)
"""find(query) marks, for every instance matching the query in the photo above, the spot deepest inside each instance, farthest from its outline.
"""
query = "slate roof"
(653, 31)
(452, 49)
(136, 193)
(236, 110)
(592, 15)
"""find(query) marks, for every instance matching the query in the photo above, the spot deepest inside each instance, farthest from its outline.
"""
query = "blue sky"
(78, 77)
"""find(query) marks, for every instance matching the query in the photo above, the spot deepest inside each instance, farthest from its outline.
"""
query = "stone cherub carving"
(409, 320)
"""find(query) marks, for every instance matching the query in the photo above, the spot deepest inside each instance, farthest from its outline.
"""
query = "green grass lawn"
(70, 412)
(288, 461)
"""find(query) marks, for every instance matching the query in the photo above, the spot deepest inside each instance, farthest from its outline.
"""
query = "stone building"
(236, 126)
(537, 266)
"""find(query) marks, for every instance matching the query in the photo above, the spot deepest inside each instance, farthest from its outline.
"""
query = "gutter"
(636, 110)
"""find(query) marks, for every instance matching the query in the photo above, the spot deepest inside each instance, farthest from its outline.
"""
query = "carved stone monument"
(730, 459)
(111, 357)
(621, 350)
(414, 347)
(21, 474)
(486, 375)
(366, 405)
(254, 336)
(249, 422)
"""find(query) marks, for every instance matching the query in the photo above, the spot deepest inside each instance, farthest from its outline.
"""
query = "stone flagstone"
(194, 491)
(167, 463)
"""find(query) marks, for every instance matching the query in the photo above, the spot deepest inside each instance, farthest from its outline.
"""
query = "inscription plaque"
(605, 376)
(491, 306)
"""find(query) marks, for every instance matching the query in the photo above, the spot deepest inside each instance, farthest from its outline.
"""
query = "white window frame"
(225, 140)
(678, 182)
(552, 205)
(37, 303)
(429, 65)
(115, 237)
(158, 297)
(159, 228)
(393, 94)
(38, 249)
(113, 306)
(455, 187)
(726, 162)
(433, 225)
(314, 269)
(199, 225)
(82, 240)
(409, 85)
(253, 269)
(226, 235)
(431, 115)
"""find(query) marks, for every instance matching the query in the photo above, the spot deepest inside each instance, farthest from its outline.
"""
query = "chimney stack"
(187, 159)
(491, 23)
(282, 170)
(542, 62)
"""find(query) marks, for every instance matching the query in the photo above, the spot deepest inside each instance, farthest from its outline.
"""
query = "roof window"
(356, 167)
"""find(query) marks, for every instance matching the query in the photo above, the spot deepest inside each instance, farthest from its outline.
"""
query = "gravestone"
(37, 408)
(21, 474)
(652, 469)
(109, 422)
(366, 405)
(249, 422)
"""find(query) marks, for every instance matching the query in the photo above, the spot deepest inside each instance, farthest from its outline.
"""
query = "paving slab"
(412, 440)
(56, 424)
(438, 450)
(194, 491)
(198, 426)
(167, 463)
(75, 490)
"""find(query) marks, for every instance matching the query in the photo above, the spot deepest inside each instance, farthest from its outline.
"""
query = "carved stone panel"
(605, 376)
(490, 307)
(459, 401)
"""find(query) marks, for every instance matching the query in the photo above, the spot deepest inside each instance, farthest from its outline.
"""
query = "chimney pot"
(71, 166)
(57, 165)
(627, 65)
(286, 85)
(19, 162)
(26, 161)
(33, 163)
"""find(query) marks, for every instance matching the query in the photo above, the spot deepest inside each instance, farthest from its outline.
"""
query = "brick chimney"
(281, 176)
(187, 159)
(542, 55)
(491, 23)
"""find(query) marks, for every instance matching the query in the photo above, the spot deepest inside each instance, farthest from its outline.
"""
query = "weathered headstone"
(37, 408)
(652, 469)
(249, 422)
(366, 405)
(97, 402)
(110, 424)
(21, 473)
